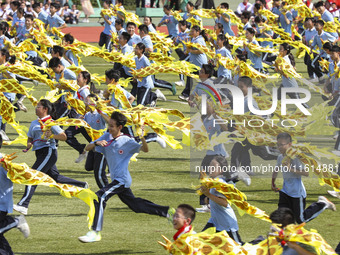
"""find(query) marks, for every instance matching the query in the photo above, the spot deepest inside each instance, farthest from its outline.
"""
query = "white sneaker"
(161, 142)
(153, 103)
(44, 64)
(23, 226)
(81, 157)
(180, 83)
(329, 204)
(243, 176)
(21, 209)
(184, 98)
(203, 209)
(21, 106)
(4, 136)
(334, 193)
(160, 95)
(90, 237)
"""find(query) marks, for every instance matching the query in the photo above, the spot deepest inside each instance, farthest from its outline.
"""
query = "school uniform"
(118, 153)
(43, 16)
(151, 29)
(186, 16)
(256, 61)
(55, 21)
(328, 17)
(20, 26)
(196, 59)
(144, 94)
(172, 25)
(146, 40)
(222, 71)
(293, 193)
(105, 36)
(284, 25)
(226, 25)
(223, 218)
(72, 131)
(309, 35)
(46, 154)
(96, 161)
(72, 57)
(3, 38)
(135, 39)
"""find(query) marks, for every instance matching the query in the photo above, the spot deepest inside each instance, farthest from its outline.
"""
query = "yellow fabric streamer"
(22, 174)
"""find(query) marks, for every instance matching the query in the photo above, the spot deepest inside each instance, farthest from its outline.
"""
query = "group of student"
(116, 147)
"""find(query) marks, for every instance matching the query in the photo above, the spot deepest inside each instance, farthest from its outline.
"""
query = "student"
(148, 22)
(196, 57)
(69, 55)
(95, 161)
(45, 152)
(224, 19)
(3, 12)
(182, 220)
(119, 26)
(286, 19)
(264, 33)
(245, 17)
(134, 38)
(109, 26)
(222, 49)
(293, 193)
(3, 37)
(42, 15)
(19, 22)
(65, 14)
(118, 149)
(59, 52)
(170, 21)
(53, 20)
(83, 79)
(6, 206)
(254, 57)
(189, 8)
(144, 94)
(310, 33)
(326, 16)
(222, 215)
(285, 217)
(75, 14)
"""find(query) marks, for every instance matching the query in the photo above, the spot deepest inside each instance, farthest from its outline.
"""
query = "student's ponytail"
(203, 33)
(288, 48)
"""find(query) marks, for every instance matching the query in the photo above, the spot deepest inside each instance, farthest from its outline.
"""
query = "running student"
(45, 151)
(118, 149)
(293, 193)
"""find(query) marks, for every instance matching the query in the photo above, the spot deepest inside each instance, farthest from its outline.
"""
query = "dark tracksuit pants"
(46, 159)
(136, 204)
(96, 161)
(297, 205)
(6, 223)
(71, 132)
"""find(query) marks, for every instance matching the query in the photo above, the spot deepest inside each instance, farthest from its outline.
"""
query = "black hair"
(15, 3)
(55, 5)
(9, 58)
(225, 40)
(309, 18)
(283, 216)
(183, 22)
(167, 7)
(131, 24)
(319, 4)
(196, 28)
(29, 16)
(108, 2)
(190, 4)
(93, 96)
(204, 35)
(54, 62)
(242, 57)
(58, 49)
(223, 162)
(149, 18)
(93, 89)
(119, 21)
(284, 136)
(21, 10)
(3, 27)
(86, 75)
(288, 48)
(112, 74)
(251, 30)
(119, 118)
(144, 28)
(327, 46)
(126, 36)
(188, 211)
(320, 22)
(335, 48)
(121, 1)
(224, 5)
(49, 106)
(141, 46)
(208, 69)
(246, 80)
(258, 6)
(246, 15)
(2, 4)
(35, 5)
(69, 38)
(1, 140)
(259, 19)
(220, 27)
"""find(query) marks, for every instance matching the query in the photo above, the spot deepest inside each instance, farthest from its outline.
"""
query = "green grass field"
(162, 176)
